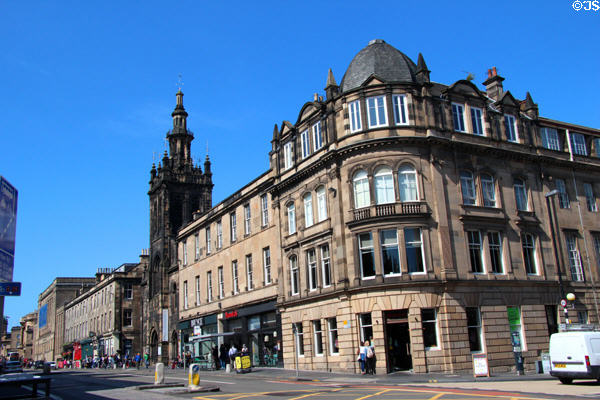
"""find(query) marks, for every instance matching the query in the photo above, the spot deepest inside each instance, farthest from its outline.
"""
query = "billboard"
(8, 228)
(43, 316)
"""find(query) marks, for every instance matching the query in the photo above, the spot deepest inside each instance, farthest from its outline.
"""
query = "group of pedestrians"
(366, 357)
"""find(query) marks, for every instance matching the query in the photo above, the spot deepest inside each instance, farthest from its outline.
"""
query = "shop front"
(192, 329)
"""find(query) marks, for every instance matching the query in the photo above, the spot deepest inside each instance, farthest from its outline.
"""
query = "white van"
(575, 355)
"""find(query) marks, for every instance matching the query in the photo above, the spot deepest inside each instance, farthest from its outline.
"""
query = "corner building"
(424, 217)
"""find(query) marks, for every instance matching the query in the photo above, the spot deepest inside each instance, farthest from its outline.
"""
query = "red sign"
(231, 314)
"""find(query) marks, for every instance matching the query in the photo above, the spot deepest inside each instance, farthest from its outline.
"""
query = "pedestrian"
(232, 354)
(223, 356)
(137, 360)
(215, 357)
(146, 360)
(370, 358)
(362, 357)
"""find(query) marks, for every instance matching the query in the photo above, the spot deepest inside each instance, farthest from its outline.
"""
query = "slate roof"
(379, 59)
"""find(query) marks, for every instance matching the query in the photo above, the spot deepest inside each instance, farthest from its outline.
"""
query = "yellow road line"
(374, 394)
(437, 396)
(306, 395)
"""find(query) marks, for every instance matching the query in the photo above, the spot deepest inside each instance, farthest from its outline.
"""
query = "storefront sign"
(231, 314)
(480, 365)
(197, 322)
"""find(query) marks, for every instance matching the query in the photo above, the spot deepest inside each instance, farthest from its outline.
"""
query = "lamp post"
(295, 330)
(552, 218)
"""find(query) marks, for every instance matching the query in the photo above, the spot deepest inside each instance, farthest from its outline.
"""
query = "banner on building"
(165, 325)
(43, 315)
(8, 229)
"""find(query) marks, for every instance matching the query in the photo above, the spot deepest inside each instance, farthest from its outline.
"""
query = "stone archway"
(154, 346)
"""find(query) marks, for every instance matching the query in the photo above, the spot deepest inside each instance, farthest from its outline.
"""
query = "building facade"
(436, 221)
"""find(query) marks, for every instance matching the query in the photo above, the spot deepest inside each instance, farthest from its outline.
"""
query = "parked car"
(12, 366)
(39, 364)
(575, 355)
(52, 364)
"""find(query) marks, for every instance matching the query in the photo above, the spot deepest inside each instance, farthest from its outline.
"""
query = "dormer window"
(458, 117)
(477, 121)
(512, 134)
(400, 110)
(377, 111)
(578, 144)
(355, 120)
(550, 139)
(317, 136)
(288, 155)
(305, 143)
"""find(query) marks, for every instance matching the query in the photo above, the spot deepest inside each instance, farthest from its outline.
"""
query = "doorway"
(397, 339)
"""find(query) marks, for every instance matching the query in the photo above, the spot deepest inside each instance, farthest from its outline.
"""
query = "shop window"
(254, 323)
(474, 328)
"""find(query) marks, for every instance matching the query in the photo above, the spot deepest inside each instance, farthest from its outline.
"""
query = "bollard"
(159, 374)
(228, 368)
(194, 376)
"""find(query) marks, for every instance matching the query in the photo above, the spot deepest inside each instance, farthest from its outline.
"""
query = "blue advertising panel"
(43, 315)
(10, 288)
(8, 228)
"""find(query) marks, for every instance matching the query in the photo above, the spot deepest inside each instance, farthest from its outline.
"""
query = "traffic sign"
(10, 288)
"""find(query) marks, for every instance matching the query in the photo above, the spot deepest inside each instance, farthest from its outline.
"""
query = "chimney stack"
(493, 84)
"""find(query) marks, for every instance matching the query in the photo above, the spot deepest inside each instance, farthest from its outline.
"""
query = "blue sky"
(87, 88)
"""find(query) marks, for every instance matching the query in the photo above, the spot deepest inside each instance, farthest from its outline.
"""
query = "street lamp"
(553, 221)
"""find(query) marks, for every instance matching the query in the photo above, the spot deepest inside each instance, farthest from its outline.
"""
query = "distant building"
(28, 325)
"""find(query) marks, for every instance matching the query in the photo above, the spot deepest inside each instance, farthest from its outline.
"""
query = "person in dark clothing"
(223, 356)
(215, 356)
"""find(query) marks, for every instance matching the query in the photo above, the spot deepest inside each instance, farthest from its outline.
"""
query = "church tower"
(178, 189)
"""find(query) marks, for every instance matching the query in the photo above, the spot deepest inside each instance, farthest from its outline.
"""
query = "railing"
(384, 210)
(362, 213)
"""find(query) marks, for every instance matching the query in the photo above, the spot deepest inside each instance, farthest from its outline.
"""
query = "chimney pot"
(489, 73)
(495, 71)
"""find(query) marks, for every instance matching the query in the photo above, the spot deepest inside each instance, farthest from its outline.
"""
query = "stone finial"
(422, 71)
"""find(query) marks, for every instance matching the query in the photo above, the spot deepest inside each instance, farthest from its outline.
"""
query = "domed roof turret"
(379, 59)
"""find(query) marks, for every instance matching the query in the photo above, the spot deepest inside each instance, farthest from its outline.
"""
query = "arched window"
(291, 209)
(308, 210)
(521, 194)
(384, 186)
(360, 182)
(294, 276)
(407, 183)
(488, 189)
(321, 204)
(467, 185)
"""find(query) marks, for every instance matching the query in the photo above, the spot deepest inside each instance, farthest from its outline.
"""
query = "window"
(597, 146)
(516, 328)
(249, 275)
(184, 251)
(477, 121)
(235, 276)
(474, 328)
(294, 276)
(196, 247)
(400, 110)
(311, 262)
(129, 291)
(458, 117)
(297, 327)
(413, 244)
(429, 325)
(291, 209)
(247, 219)
(552, 319)
(264, 205)
(582, 317)
(209, 286)
(495, 247)
(325, 266)
(321, 204)
(521, 195)
(467, 185)
(550, 139)
(333, 336)
(127, 320)
(288, 155)
(197, 289)
(377, 111)
(308, 210)
(475, 253)
(317, 136)
(221, 282)
(597, 248)
(384, 186)
(267, 265)
(233, 222)
(510, 124)
(185, 295)
(366, 327)
(578, 144)
(367, 257)
(528, 244)
(318, 337)
(355, 120)
(207, 240)
(362, 198)
(574, 257)
(488, 189)
(390, 257)
(219, 235)
(407, 183)
(590, 197)
(563, 196)
(305, 143)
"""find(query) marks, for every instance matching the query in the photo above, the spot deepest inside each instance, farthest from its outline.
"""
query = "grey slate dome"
(382, 60)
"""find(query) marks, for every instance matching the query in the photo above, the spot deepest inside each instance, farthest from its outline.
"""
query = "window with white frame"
(184, 251)
(574, 257)
(355, 119)
(219, 234)
(376, 111)
(209, 292)
(495, 251)
(207, 231)
(467, 185)
(521, 194)
(325, 266)
(488, 190)
(305, 143)
(288, 155)
(578, 144)
(333, 336)
(294, 276)
(196, 247)
(400, 109)
(360, 182)
(318, 337)
(185, 295)
(590, 197)
(321, 204)
(297, 328)
(267, 265)
(477, 121)
(235, 277)
(510, 124)
(197, 289)
(291, 211)
(366, 327)
(367, 256)
(458, 117)
(233, 226)
(550, 138)
(475, 251)
(563, 196)
(249, 272)
(311, 263)
(264, 205)
(317, 136)
(529, 255)
(221, 278)
(407, 183)
(429, 325)
(247, 219)
(413, 246)
(474, 329)
(308, 210)
(128, 291)
(384, 186)
(390, 256)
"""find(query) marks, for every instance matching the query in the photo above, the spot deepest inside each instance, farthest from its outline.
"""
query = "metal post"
(553, 220)
(295, 330)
